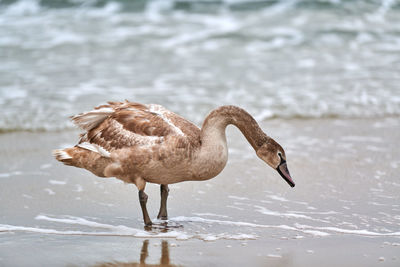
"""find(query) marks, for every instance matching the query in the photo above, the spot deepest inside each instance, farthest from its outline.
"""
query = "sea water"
(284, 59)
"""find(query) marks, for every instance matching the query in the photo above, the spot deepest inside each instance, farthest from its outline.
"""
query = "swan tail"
(63, 156)
(83, 158)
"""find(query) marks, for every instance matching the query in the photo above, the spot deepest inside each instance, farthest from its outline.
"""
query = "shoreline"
(346, 198)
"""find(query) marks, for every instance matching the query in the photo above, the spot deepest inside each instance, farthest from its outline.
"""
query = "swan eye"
(280, 156)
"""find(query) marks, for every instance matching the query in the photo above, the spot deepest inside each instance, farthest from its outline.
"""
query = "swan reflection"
(144, 253)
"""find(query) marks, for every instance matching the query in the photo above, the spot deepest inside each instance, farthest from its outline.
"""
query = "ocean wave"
(23, 7)
(54, 116)
(276, 59)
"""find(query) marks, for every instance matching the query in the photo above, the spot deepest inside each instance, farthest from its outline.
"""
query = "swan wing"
(125, 124)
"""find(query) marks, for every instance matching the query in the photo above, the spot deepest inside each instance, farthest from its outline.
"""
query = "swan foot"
(162, 226)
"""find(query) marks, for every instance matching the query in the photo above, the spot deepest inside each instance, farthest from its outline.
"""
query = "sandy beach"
(344, 209)
(321, 77)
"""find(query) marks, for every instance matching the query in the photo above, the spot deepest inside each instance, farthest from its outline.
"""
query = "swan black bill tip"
(284, 172)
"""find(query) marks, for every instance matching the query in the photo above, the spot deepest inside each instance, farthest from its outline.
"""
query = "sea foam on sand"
(116, 230)
(121, 230)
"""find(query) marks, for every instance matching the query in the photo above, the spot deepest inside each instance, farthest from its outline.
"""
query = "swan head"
(274, 155)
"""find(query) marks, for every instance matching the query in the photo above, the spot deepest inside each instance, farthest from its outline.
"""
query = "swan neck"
(216, 122)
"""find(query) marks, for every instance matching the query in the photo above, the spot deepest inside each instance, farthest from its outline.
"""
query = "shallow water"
(346, 198)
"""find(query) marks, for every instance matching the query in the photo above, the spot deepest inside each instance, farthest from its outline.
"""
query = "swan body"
(140, 143)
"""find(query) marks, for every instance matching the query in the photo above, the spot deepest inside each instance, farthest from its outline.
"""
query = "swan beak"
(284, 172)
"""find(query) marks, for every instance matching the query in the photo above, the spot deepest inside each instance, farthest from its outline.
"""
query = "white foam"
(9, 174)
(246, 224)
(312, 230)
(23, 7)
(56, 182)
(214, 237)
(306, 63)
(316, 212)
(287, 215)
(113, 229)
(121, 232)
(274, 256)
(118, 230)
(13, 228)
(13, 92)
(375, 148)
(362, 232)
(278, 198)
(74, 220)
(210, 214)
(282, 199)
(264, 114)
(213, 26)
(154, 9)
(106, 11)
(64, 38)
(316, 233)
(234, 207)
(238, 198)
(49, 191)
(79, 188)
(379, 14)
(275, 213)
(362, 138)
(45, 166)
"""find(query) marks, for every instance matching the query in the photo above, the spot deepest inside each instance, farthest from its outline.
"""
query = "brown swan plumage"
(140, 143)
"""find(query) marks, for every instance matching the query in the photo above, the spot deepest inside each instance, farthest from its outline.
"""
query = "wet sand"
(344, 209)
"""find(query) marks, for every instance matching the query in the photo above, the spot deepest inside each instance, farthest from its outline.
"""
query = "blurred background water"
(282, 58)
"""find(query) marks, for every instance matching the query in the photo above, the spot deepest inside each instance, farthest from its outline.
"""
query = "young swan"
(140, 143)
(274, 155)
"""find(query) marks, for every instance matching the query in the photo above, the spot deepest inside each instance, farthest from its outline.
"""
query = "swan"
(147, 143)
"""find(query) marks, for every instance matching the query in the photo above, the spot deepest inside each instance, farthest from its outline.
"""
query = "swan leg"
(143, 200)
(163, 215)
